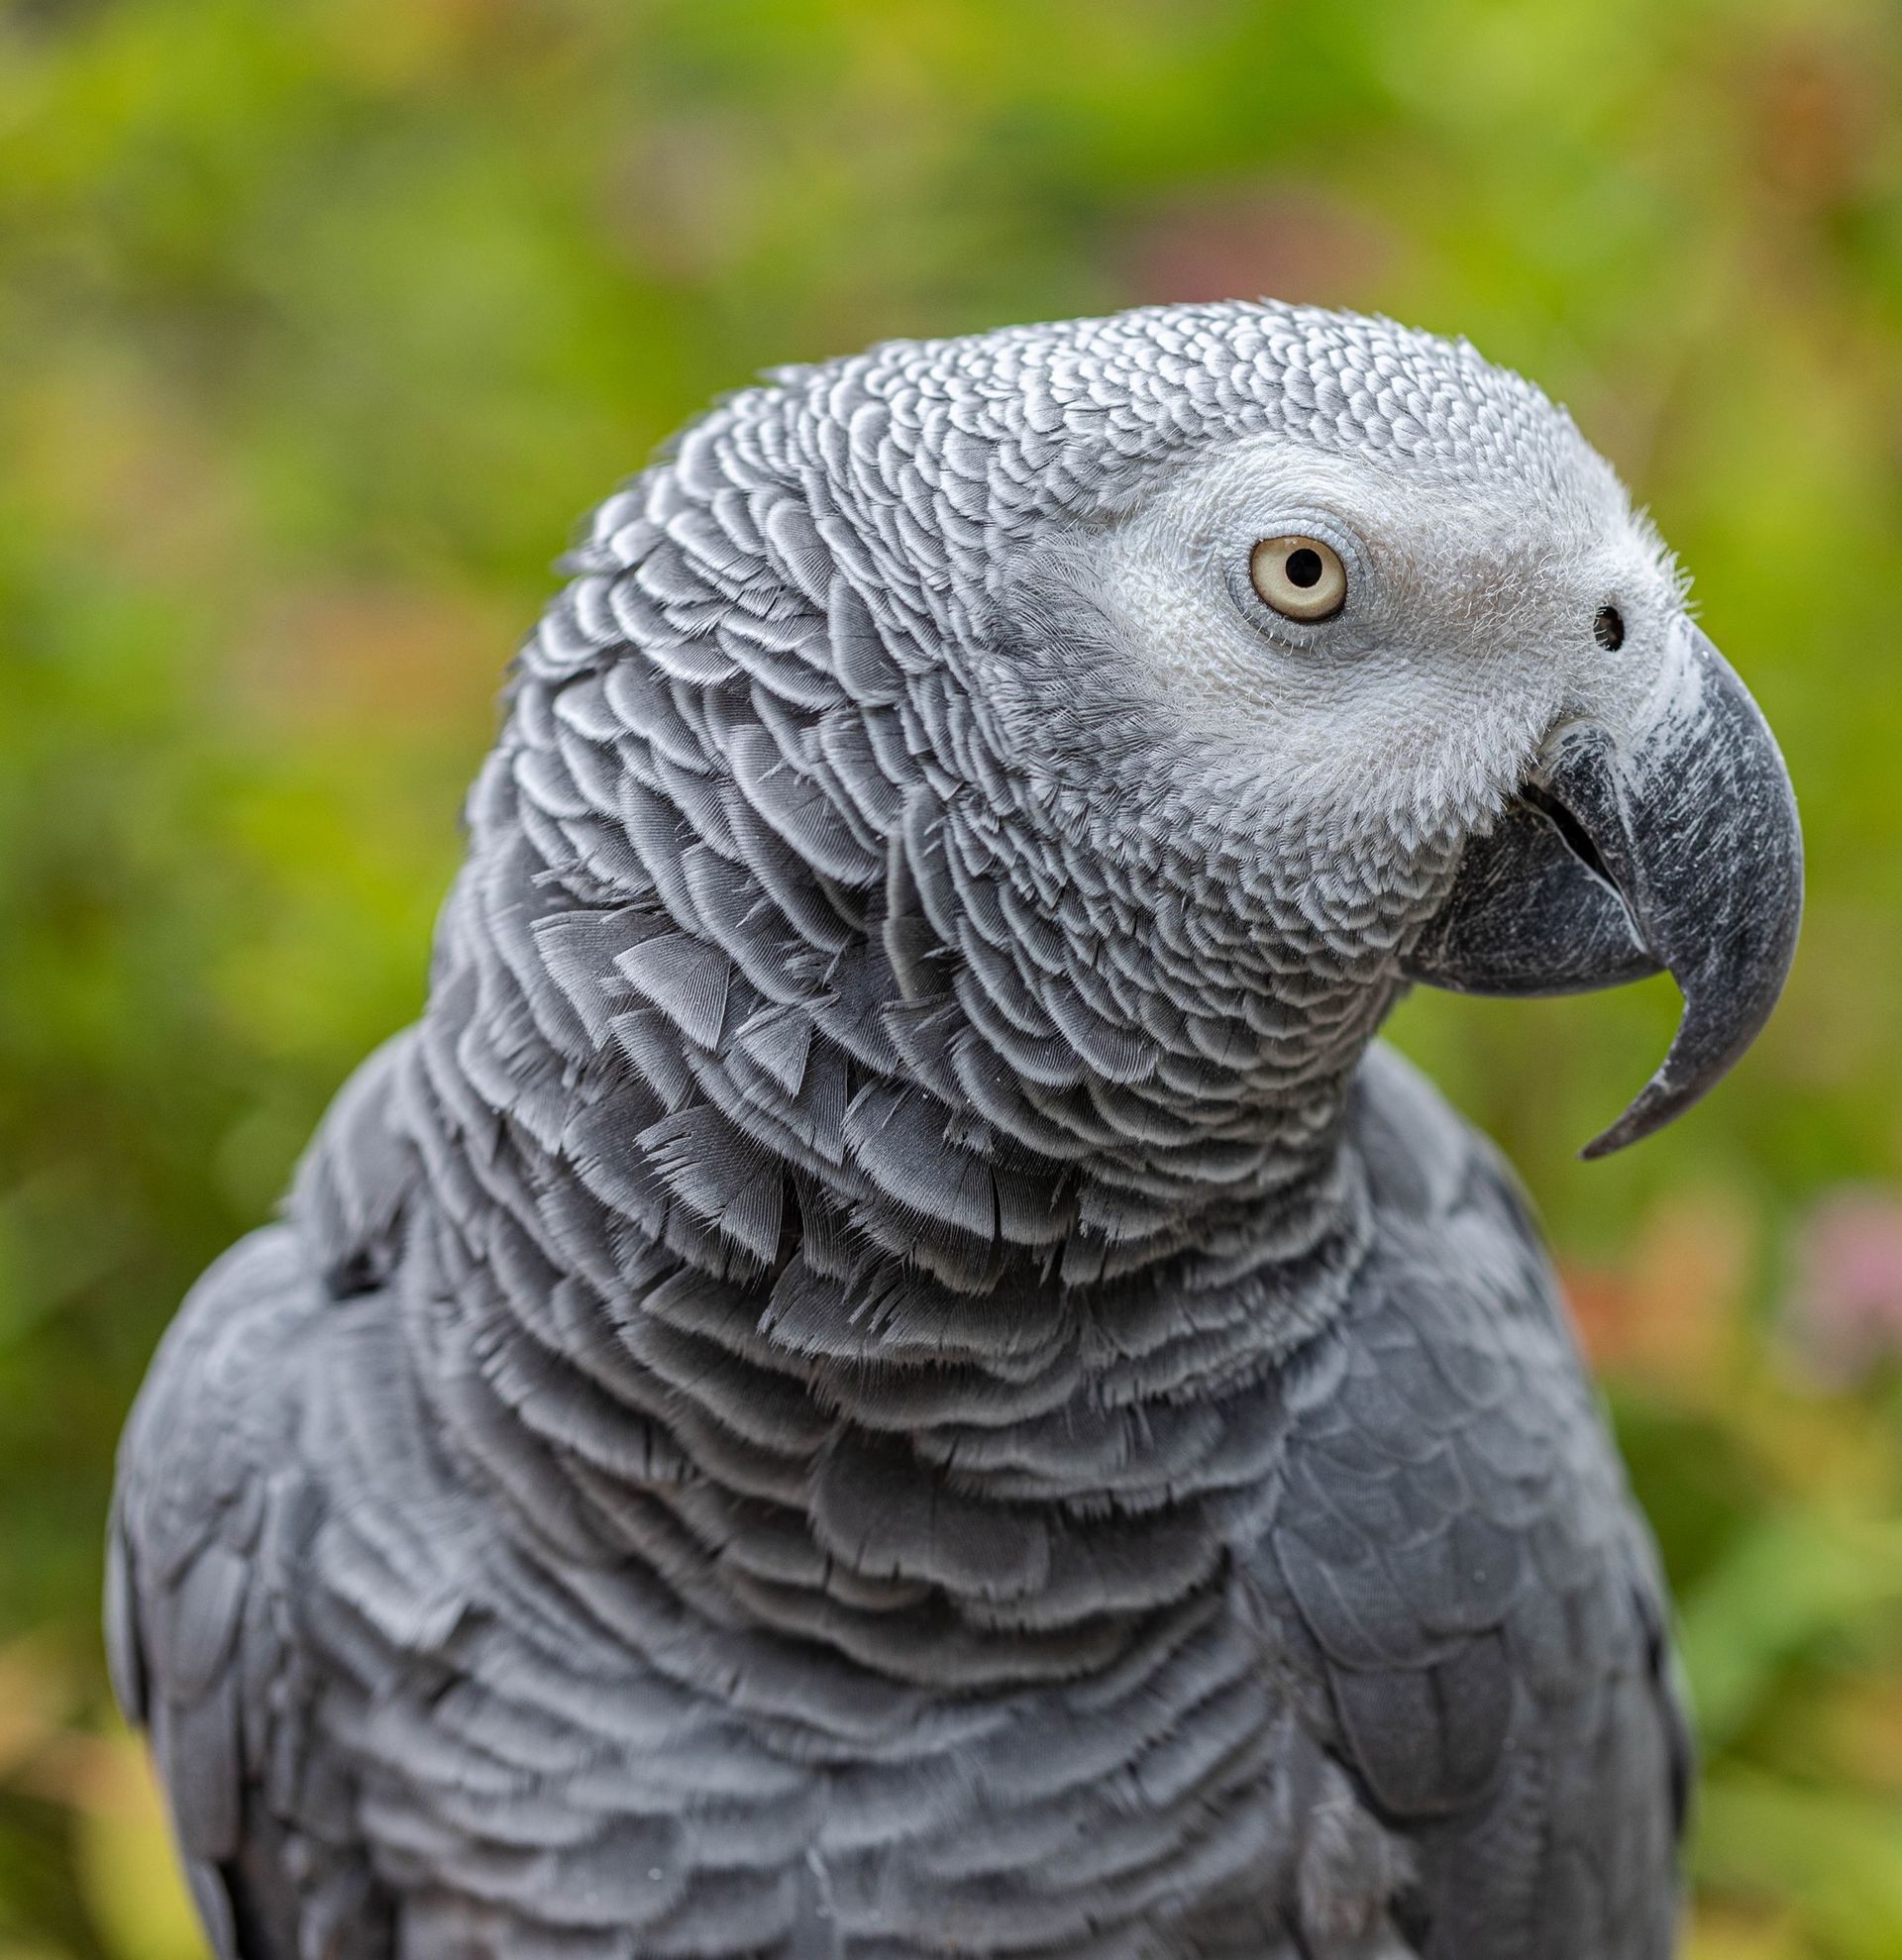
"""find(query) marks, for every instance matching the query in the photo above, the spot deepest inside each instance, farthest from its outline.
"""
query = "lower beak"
(1674, 846)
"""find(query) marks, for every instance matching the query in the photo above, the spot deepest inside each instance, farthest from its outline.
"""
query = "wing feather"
(199, 1606)
(1480, 1605)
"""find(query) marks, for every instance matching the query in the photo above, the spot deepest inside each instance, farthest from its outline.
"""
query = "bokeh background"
(320, 324)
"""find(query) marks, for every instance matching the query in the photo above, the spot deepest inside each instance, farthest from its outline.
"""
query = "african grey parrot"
(889, 1369)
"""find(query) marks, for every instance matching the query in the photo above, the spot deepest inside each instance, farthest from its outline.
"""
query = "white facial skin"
(1466, 635)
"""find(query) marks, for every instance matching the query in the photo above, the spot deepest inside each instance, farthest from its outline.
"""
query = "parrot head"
(1370, 610)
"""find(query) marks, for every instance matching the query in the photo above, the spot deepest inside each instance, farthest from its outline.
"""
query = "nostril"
(1607, 628)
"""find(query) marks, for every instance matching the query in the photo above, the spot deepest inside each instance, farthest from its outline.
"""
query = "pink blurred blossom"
(1845, 1306)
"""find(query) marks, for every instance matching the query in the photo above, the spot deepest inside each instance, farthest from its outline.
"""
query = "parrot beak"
(1671, 846)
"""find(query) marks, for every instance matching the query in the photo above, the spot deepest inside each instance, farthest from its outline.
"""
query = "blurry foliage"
(319, 321)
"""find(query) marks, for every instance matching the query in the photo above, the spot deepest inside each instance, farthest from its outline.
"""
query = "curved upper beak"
(1671, 845)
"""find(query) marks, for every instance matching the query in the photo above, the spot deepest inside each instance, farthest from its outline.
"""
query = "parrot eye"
(1301, 577)
(1607, 628)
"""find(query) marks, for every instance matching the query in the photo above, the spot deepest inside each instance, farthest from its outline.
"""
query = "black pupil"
(1304, 568)
(1607, 628)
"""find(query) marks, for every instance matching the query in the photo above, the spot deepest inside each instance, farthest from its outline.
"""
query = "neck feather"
(869, 1316)
(845, 1186)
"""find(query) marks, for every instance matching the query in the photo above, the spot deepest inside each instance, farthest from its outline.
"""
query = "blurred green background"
(320, 324)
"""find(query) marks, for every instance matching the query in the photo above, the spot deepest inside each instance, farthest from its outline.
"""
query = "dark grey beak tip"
(1646, 1118)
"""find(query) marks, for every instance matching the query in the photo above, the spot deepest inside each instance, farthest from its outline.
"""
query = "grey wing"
(210, 1510)
(1474, 1591)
